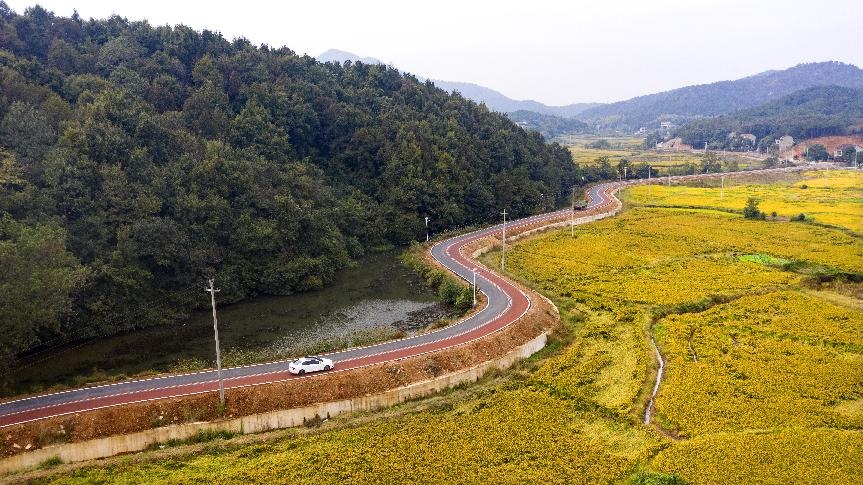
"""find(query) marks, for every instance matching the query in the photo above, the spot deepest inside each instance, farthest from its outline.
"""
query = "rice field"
(590, 156)
(829, 197)
(781, 359)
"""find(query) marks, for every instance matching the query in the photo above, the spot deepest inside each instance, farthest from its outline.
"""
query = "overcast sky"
(556, 52)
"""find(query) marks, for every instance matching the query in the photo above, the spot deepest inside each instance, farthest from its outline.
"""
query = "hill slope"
(808, 113)
(135, 162)
(721, 97)
(547, 125)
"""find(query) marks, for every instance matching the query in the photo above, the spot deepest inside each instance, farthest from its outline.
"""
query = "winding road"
(505, 304)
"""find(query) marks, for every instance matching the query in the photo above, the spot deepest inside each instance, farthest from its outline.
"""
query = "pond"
(376, 299)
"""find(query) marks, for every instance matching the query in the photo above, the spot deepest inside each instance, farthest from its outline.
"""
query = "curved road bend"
(505, 304)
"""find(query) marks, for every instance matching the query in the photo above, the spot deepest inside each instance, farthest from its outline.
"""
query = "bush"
(773, 215)
(804, 186)
(450, 289)
(799, 217)
(751, 210)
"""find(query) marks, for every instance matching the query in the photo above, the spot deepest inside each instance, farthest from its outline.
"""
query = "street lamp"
(427, 229)
(474, 287)
(503, 244)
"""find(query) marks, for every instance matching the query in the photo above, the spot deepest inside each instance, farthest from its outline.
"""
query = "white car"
(310, 364)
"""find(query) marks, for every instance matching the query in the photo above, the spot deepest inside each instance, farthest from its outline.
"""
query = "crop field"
(762, 361)
(619, 142)
(507, 434)
(763, 379)
(589, 156)
(829, 197)
(776, 456)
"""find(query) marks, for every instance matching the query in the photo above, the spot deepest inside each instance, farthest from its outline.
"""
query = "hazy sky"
(556, 52)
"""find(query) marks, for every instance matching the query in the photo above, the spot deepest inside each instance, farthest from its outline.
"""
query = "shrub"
(799, 217)
(750, 211)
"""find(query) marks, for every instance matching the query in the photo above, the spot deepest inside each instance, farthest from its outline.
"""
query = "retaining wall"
(256, 423)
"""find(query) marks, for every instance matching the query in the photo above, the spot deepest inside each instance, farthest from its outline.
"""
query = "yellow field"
(775, 397)
(830, 197)
(519, 435)
(589, 156)
(778, 359)
(778, 456)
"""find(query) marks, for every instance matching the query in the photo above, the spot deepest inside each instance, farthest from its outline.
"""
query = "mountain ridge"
(721, 97)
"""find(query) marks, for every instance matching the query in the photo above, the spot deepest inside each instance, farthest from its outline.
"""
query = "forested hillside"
(136, 161)
(721, 97)
(809, 113)
(548, 126)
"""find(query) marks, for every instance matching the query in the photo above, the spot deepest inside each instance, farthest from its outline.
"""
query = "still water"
(378, 295)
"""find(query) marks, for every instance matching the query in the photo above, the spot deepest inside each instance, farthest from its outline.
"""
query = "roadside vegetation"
(760, 324)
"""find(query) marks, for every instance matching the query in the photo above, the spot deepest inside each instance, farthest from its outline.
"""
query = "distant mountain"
(809, 113)
(504, 104)
(335, 55)
(494, 100)
(680, 105)
(548, 126)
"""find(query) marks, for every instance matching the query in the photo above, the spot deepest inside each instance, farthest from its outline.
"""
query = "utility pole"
(427, 228)
(474, 287)
(213, 292)
(722, 190)
(624, 172)
(572, 218)
(503, 244)
(649, 188)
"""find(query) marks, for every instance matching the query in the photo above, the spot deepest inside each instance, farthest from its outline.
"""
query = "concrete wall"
(113, 445)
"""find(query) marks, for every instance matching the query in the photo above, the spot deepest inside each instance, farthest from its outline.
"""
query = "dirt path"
(649, 410)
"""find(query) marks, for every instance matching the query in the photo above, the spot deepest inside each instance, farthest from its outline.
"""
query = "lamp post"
(427, 228)
(503, 244)
(474, 287)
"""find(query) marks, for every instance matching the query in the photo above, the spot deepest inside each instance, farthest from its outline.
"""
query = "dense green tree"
(751, 211)
(817, 152)
(37, 278)
(711, 163)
